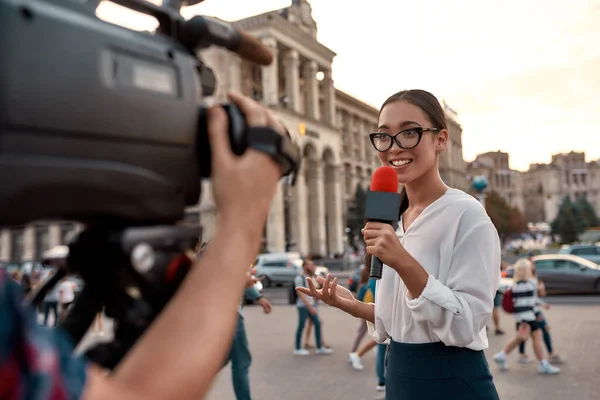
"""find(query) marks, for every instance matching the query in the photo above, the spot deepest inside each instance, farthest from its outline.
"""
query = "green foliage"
(587, 213)
(507, 220)
(570, 222)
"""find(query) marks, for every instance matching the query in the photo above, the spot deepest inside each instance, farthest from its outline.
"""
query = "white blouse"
(457, 244)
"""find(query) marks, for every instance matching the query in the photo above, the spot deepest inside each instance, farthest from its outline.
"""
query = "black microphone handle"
(376, 268)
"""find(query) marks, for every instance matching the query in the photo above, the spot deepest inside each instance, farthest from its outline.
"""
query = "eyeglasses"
(406, 139)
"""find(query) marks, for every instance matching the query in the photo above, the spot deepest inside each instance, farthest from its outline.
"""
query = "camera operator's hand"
(243, 186)
(187, 344)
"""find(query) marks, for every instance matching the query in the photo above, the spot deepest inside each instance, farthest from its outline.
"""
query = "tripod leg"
(82, 314)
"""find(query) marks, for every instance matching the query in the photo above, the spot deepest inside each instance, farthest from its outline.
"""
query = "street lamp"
(479, 184)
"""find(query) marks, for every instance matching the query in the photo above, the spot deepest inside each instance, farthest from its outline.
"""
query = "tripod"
(131, 272)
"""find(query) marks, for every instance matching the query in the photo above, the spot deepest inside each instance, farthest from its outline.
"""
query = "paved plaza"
(277, 375)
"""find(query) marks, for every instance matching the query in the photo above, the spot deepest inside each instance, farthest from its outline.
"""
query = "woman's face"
(410, 164)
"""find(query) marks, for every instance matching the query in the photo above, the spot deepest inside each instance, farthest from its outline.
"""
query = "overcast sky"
(524, 76)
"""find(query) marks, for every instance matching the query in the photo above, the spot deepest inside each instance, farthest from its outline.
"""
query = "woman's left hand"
(382, 242)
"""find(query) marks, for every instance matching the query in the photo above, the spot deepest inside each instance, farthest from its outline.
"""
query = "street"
(277, 374)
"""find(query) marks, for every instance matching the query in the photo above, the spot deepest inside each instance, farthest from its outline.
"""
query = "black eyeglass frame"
(394, 138)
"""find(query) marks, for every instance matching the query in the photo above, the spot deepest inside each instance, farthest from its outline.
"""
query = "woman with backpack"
(524, 298)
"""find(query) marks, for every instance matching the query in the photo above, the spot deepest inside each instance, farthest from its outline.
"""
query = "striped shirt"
(524, 294)
(537, 309)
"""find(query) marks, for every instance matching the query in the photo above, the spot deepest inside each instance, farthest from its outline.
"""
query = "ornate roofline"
(345, 97)
(274, 20)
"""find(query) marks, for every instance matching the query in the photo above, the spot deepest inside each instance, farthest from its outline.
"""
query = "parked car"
(564, 272)
(277, 268)
(588, 251)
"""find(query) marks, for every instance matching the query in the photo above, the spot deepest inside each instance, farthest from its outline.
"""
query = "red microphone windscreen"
(384, 180)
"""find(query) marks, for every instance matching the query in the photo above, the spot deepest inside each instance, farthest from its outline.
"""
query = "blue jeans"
(302, 315)
(241, 359)
(380, 363)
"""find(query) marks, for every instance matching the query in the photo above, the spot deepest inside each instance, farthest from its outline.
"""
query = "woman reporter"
(187, 344)
(440, 265)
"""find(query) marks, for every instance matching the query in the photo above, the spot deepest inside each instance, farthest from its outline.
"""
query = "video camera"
(107, 126)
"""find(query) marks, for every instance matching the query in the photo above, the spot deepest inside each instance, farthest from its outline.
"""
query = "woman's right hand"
(330, 293)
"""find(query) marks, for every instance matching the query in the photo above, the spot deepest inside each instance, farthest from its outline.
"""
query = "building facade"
(506, 182)
(452, 165)
(332, 129)
(568, 174)
(28, 243)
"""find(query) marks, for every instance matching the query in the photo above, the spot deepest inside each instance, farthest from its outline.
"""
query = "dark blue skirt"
(434, 371)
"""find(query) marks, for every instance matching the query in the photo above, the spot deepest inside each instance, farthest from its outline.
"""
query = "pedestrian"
(307, 308)
(440, 269)
(524, 294)
(553, 358)
(239, 355)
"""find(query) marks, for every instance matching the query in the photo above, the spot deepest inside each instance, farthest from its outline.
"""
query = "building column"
(270, 76)
(276, 222)
(334, 206)
(235, 73)
(29, 243)
(54, 235)
(5, 245)
(312, 90)
(299, 213)
(292, 79)
(329, 97)
(316, 209)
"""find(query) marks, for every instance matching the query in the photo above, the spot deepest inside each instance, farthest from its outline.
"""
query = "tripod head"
(107, 126)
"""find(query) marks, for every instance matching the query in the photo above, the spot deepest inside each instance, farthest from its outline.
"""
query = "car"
(588, 251)
(277, 268)
(563, 272)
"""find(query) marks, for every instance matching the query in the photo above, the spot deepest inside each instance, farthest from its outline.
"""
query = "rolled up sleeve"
(458, 310)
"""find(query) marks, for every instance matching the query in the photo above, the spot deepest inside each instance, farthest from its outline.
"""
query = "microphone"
(383, 205)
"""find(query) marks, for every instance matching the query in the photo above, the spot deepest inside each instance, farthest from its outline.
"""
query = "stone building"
(453, 168)
(332, 127)
(28, 243)
(568, 174)
(506, 182)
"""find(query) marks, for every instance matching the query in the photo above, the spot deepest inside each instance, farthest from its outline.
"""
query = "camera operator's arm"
(178, 357)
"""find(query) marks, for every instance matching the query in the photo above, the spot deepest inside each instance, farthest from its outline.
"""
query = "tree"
(356, 215)
(587, 213)
(568, 223)
(507, 220)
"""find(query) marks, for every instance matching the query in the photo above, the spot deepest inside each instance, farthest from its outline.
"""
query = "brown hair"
(365, 274)
(432, 108)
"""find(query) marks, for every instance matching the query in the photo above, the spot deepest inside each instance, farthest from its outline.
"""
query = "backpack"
(368, 298)
(507, 301)
(293, 294)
